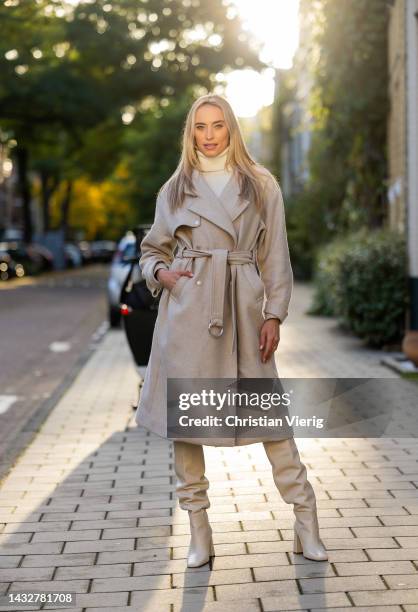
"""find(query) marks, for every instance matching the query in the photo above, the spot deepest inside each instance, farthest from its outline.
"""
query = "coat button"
(199, 282)
(196, 222)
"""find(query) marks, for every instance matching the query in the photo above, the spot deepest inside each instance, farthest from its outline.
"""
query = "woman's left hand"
(269, 338)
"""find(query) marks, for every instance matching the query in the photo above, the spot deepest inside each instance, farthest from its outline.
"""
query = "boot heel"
(212, 549)
(297, 544)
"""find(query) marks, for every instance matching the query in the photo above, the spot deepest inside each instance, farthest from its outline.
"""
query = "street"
(46, 328)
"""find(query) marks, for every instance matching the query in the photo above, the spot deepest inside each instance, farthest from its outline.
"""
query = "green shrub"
(362, 280)
(327, 262)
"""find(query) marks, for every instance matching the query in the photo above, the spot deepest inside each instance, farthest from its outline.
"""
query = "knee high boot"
(191, 489)
(290, 477)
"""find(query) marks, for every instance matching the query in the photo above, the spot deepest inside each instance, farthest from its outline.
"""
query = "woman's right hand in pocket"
(168, 278)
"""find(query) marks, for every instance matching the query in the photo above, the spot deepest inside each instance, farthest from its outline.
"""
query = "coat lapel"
(212, 207)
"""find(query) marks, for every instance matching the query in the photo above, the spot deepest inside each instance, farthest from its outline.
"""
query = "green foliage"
(327, 263)
(69, 72)
(306, 218)
(350, 105)
(152, 151)
(344, 55)
(362, 279)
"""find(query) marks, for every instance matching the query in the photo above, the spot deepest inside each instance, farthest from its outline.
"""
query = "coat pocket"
(177, 290)
(256, 283)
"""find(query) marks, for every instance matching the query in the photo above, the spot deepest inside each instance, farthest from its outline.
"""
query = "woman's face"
(210, 130)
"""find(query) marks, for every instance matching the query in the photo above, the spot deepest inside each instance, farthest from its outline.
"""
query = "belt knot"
(220, 258)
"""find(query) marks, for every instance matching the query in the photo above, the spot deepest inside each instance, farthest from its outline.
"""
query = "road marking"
(59, 347)
(6, 401)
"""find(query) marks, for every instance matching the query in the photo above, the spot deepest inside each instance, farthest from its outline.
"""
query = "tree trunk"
(65, 208)
(48, 186)
(22, 157)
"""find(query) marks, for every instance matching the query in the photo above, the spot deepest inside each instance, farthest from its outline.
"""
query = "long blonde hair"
(246, 169)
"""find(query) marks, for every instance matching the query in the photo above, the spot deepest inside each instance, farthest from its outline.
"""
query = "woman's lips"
(210, 146)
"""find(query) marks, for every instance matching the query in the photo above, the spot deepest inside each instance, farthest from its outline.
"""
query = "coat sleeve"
(273, 255)
(157, 248)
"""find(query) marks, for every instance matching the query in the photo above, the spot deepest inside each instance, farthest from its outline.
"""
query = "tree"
(72, 70)
(343, 57)
(350, 106)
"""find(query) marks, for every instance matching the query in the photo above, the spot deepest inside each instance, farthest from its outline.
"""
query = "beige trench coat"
(225, 291)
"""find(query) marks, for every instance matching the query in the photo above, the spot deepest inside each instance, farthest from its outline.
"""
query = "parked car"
(45, 255)
(9, 268)
(121, 262)
(29, 257)
(85, 250)
(102, 251)
(73, 255)
(127, 251)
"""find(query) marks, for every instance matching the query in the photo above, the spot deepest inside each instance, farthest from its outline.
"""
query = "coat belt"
(220, 259)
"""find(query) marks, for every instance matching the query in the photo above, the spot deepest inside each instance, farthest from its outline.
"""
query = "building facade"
(403, 134)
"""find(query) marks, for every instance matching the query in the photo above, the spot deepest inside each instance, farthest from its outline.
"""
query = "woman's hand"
(269, 338)
(168, 278)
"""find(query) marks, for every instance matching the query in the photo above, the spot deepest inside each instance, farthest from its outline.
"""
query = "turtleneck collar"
(213, 164)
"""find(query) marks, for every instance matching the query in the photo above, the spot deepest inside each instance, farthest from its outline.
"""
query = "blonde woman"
(219, 219)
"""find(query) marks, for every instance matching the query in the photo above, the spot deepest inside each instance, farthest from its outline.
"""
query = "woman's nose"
(209, 133)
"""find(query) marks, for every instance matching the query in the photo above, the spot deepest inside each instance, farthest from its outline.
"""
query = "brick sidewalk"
(90, 505)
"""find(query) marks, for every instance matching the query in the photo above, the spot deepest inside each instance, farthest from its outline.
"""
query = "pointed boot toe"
(310, 545)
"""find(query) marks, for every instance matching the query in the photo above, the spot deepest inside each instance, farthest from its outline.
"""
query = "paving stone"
(31, 549)
(308, 570)
(136, 532)
(393, 531)
(164, 608)
(26, 573)
(153, 600)
(68, 586)
(102, 600)
(114, 570)
(248, 560)
(98, 545)
(398, 554)
(362, 609)
(132, 556)
(212, 577)
(66, 536)
(64, 559)
(10, 561)
(383, 512)
(168, 566)
(401, 581)
(375, 567)
(103, 524)
(249, 605)
(14, 538)
(256, 589)
(23, 527)
(305, 602)
(131, 583)
(341, 584)
(386, 597)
